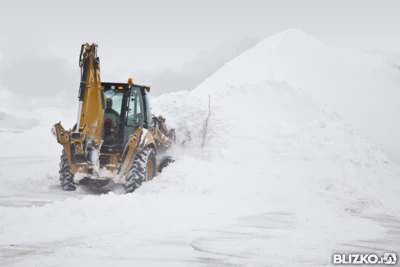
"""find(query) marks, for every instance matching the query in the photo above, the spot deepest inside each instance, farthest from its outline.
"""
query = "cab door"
(135, 113)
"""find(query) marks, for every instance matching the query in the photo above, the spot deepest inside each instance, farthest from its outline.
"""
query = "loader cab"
(131, 103)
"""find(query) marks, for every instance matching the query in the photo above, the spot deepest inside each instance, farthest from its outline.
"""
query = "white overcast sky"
(154, 39)
(167, 33)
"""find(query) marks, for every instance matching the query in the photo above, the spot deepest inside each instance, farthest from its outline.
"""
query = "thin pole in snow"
(206, 122)
(209, 105)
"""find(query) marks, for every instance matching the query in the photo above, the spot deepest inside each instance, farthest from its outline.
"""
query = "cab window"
(135, 111)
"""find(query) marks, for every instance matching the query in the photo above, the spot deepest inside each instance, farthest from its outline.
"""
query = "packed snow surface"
(275, 179)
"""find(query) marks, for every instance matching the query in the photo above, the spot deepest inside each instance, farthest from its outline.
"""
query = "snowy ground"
(280, 181)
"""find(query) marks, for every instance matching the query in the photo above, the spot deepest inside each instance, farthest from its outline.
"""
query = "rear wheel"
(66, 175)
(143, 169)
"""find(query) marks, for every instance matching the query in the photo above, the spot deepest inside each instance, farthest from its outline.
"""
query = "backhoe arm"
(87, 133)
(91, 97)
(85, 139)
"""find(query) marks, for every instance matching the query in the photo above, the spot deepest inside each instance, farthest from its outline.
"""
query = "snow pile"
(9, 122)
(184, 112)
(36, 142)
(273, 131)
(280, 180)
(37, 139)
(352, 83)
(29, 156)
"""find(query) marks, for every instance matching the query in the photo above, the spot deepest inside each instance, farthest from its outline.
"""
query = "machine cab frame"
(131, 102)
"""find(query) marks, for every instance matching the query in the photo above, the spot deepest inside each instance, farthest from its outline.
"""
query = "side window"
(135, 112)
(148, 110)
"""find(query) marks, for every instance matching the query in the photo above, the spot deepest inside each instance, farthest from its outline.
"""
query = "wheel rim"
(149, 170)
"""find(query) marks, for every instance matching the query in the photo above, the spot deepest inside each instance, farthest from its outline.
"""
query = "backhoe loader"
(116, 139)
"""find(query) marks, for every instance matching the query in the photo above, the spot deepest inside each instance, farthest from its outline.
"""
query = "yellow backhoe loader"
(116, 139)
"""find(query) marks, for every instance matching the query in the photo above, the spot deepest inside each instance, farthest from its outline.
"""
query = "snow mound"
(9, 122)
(184, 112)
(283, 133)
(36, 142)
(351, 83)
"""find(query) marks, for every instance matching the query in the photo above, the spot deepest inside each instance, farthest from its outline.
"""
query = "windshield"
(116, 97)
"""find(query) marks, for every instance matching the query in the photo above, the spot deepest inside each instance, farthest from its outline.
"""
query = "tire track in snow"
(390, 242)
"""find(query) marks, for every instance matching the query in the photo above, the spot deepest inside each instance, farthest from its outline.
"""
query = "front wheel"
(66, 175)
(143, 169)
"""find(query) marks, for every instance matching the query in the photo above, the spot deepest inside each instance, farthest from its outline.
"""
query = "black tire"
(164, 162)
(138, 172)
(66, 175)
